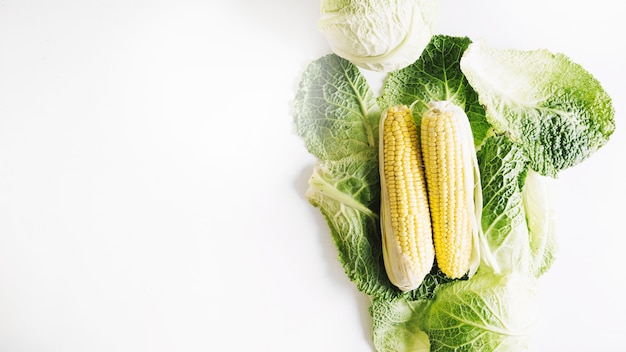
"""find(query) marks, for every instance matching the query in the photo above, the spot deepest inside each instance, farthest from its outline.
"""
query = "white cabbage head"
(384, 35)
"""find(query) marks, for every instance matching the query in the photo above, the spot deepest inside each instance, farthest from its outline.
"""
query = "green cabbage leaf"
(502, 167)
(436, 76)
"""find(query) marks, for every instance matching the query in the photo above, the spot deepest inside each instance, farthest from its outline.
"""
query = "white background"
(151, 182)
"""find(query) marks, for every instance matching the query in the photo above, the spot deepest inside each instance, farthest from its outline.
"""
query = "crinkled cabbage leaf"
(553, 106)
(537, 200)
(396, 325)
(502, 167)
(490, 312)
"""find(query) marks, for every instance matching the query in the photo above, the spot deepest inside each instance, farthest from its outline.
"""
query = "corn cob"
(408, 251)
(451, 175)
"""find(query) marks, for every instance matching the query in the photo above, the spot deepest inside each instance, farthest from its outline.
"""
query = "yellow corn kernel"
(408, 250)
(451, 174)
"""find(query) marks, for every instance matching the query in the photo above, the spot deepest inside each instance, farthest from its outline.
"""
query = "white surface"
(151, 183)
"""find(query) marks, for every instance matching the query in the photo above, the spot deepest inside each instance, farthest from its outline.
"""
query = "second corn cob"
(451, 174)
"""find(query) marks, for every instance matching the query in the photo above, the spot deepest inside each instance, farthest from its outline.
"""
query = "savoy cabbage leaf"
(335, 110)
(396, 325)
(537, 200)
(502, 167)
(337, 116)
(553, 106)
(490, 312)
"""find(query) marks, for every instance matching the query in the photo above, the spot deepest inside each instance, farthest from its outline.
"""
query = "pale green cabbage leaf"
(490, 312)
(378, 35)
(554, 107)
(396, 325)
(540, 217)
(337, 116)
